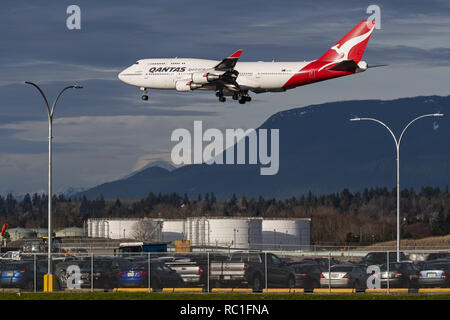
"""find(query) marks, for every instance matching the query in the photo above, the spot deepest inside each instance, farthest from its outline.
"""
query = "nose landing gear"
(144, 94)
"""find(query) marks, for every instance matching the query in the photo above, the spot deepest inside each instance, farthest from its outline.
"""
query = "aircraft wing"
(225, 74)
(229, 63)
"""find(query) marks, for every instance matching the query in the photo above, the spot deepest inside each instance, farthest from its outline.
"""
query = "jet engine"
(184, 86)
(204, 77)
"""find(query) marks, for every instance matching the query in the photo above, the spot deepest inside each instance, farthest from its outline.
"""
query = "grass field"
(215, 296)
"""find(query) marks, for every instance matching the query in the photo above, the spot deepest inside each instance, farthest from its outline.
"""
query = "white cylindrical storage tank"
(286, 234)
(128, 228)
(106, 229)
(89, 226)
(193, 231)
(101, 229)
(95, 228)
(239, 233)
(173, 230)
(122, 228)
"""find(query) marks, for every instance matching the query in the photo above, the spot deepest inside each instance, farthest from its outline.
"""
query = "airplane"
(236, 79)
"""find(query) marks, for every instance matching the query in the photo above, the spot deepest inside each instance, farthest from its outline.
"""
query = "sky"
(104, 131)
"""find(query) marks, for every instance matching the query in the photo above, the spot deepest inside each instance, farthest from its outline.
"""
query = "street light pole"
(397, 146)
(50, 195)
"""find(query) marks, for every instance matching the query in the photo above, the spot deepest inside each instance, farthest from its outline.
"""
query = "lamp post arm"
(412, 121)
(397, 143)
(50, 113)
(57, 98)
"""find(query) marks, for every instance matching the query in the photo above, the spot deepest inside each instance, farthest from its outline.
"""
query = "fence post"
(207, 275)
(329, 272)
(266, 275)
(148, 272)
(92, 272)
(35, 273)
(388, 276)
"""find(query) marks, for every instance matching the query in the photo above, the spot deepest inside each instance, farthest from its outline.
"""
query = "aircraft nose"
(123, 74)
(120, 75)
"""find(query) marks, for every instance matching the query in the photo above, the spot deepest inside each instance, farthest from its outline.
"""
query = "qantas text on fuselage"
(236, 79)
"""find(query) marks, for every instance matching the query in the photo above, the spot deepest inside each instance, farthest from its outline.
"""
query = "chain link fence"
(212, 271)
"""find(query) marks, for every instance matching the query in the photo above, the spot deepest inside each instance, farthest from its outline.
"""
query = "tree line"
(337, 218)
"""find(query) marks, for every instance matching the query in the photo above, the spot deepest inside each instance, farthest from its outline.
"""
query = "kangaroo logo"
(338, 50)
(344, 49)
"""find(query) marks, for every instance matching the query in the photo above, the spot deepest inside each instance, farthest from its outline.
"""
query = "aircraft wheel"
(222, 99)
(248, 98)
(242, 101)
(145, 97)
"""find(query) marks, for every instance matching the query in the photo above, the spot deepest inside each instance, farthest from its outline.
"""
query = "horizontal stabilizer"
(346, 65)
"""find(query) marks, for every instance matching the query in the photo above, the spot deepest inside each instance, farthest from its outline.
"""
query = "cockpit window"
(137, 62)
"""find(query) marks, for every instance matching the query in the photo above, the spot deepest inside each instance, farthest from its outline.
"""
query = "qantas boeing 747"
(232, 78)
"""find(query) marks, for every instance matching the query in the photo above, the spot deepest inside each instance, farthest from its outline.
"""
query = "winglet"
(237, 54)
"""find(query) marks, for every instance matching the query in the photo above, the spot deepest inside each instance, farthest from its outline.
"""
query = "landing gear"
(144, 94)
(241, 96)
(244, 97)
(219, 94)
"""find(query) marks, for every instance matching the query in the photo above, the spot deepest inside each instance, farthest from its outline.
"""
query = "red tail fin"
(352, 45)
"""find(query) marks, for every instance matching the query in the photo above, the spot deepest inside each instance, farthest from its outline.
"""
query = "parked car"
(379, 258)
(435, 274)
(401, 274)
(21, 274)
(190, 271)
(249, 268)
(345, 276)
(10, 255)
(102, 272)
(307, 275)
(161, 275)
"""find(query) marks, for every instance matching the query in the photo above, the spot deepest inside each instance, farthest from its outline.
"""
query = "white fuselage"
(165, 73)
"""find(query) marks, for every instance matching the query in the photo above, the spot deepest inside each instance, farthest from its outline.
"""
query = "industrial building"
(233, 232)
(20, 233)
(71, 232)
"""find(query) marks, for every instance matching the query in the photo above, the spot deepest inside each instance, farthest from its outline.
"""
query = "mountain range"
(321, 151)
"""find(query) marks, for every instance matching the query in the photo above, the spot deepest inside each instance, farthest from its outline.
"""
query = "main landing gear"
(219, 94)
(241, 96)
(144, 94)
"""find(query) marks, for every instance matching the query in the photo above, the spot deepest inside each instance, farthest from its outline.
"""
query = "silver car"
(344, 276)
(435, 274)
